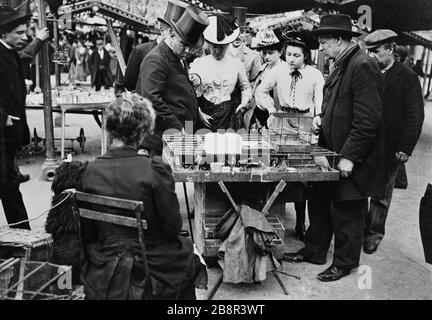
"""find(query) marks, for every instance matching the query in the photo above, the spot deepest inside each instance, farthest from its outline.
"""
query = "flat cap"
(379, 37)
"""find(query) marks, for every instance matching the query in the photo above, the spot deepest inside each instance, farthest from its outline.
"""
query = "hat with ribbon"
(191, 26)
(298, 37)
(266, 39)
(223, 29)
(9, 15)
(336, 23)
(174, 11)
(379, 37)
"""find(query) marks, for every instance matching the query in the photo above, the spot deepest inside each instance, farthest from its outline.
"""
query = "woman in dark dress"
(113, 266)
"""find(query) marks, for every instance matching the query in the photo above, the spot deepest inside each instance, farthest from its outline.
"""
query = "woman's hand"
(10, 119)
(240, 107)
(316, 125)
(195, 79)
(205, 118)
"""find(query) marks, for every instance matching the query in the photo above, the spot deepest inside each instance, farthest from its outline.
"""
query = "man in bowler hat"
(350, 124)
(164, 78)
(14, 131)
(403, 115)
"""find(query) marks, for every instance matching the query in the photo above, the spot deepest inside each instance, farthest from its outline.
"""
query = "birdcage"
(40, 280)
(291, 132)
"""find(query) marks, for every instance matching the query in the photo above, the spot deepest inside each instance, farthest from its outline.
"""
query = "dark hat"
(223, 29)
(191, 26)
(173, 11)
(336, 23)
(9, 15)
(300, 37)
(379, 37)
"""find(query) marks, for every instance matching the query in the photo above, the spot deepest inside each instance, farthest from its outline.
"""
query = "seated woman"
(221, 78)
(113, 267)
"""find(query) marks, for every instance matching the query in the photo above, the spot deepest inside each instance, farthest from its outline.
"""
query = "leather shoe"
(298, 257)
(371, 245)
(23, 177)
(333, 273)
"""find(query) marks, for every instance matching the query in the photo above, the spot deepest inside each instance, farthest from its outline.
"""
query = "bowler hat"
(379, 37)
(9, 15)
(336, 23)
(223, 29)
(191, 26)
(174, 11)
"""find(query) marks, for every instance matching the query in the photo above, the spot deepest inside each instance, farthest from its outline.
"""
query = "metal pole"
(56, 44)
(426, 64)
(50, 160)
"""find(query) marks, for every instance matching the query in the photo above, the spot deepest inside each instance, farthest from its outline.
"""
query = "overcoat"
(403, 110)
(353, 124)
(13, 93)
(165, 82)
(112, 269)
(131, 78)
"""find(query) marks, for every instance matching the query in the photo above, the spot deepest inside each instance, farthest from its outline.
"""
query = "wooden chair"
(129, 213)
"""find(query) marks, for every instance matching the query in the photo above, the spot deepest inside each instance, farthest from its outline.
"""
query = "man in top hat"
(164, 78)
(403, 115)
(350, 124)
(14, 131)
(173, 12)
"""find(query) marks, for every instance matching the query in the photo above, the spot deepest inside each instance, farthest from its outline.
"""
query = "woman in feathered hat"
(219, 75)
(270, 47)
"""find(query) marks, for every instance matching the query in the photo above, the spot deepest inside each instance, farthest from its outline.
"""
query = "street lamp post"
(50, 161)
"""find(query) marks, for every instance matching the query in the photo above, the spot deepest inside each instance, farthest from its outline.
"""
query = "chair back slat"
(111, 218)
(110, 201)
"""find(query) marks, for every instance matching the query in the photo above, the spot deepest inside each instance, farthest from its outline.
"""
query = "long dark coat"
(165, 82)
(112, 269)
(13, 93)
(403, 110)
(131, 78)
(353, 124)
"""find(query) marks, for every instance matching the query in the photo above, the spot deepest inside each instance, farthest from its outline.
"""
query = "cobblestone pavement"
(397, 270)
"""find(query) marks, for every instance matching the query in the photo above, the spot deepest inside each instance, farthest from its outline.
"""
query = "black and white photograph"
(217, 156)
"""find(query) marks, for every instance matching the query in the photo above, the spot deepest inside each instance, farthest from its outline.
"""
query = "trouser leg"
(11, 197)
(300, 209)
(347, 220)
(379, 207)
(320, 233)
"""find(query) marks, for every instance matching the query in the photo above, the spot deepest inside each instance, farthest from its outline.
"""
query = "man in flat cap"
(403, 115)
(14, 131)
(350, 124)
(164, 78)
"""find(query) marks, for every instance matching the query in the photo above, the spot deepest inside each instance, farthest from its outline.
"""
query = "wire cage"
(187, 150)
(312, 157)
(291, 131)
(41, 280)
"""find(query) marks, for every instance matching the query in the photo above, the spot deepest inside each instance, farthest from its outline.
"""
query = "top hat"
(191, 26)
(266, 39)
(379, 37)
(173, 11)
(336, 23)
(9, 15)
(223, 29)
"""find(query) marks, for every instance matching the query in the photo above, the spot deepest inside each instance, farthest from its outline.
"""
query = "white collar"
(6, 45)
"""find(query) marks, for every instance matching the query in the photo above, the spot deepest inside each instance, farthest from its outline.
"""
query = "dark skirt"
(223, 114)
